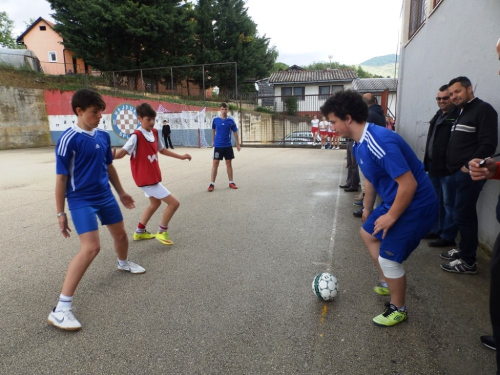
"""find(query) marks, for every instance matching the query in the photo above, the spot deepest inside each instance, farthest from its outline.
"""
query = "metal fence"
(205, 81)
(281, 128)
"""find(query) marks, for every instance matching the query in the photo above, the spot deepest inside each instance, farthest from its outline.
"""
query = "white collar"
(364, 132)
(77, 129)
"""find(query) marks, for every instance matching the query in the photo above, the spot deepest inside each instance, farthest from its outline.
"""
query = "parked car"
(299, 138)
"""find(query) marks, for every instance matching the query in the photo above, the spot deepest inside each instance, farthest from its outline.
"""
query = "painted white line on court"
(331, 245)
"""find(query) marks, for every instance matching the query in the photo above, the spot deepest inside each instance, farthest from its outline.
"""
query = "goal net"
(188, 128)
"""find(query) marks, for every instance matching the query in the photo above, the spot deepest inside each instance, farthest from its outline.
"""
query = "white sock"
(212, 183)
(231, 182)
(64, 302)
(384, 284)
(122, 263)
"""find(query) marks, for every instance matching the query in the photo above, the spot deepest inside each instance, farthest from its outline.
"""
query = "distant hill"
(380, 60)
(381, 65)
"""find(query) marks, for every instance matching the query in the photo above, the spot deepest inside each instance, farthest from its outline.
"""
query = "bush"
(264, 109)
(291, 106)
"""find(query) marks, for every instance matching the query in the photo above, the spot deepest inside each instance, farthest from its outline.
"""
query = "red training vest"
(145, 167)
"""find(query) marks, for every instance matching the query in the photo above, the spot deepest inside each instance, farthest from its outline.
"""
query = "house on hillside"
(41, 38)
(309, 88)
(436, 47)
(383, 88)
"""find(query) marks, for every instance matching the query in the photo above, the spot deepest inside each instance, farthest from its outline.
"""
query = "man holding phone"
(474, 135)
(479, 171)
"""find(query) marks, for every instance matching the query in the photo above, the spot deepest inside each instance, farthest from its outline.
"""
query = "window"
(285, 91)
(324, 92)
(43, 28)
(336, 88)
(293, 91)
(417, 15)
(52, 57)
(300, 92)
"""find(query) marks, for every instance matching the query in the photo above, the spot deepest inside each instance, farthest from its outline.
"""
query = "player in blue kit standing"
(222, 126)
(409, 204)
(84, 171)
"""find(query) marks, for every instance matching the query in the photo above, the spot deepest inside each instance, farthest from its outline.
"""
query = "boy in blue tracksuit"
(409, 204)
(84, 172)
(222, 126)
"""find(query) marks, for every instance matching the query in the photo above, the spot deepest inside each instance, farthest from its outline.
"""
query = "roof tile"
(313, 76)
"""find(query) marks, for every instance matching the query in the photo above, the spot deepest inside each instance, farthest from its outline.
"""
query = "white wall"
(458, 38)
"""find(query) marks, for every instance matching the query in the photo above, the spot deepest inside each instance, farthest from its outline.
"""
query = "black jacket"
(165, 130)
(376, 115)
(440, 143)
(474, 135)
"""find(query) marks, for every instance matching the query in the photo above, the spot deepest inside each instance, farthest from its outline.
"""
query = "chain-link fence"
(202, 82)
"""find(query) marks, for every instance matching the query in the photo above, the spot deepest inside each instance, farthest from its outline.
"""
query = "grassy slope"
(386, 70)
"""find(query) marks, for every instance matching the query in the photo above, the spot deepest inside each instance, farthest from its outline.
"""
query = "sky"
(350, 31)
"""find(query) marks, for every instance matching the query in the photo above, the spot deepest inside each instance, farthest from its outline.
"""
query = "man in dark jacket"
(474, 135)
(491, 170)
(444, 231)
(165, 131)
(375, 112)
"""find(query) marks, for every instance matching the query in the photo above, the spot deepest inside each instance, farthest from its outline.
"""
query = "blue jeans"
(439, 224)
(460, 196)
(444, 227)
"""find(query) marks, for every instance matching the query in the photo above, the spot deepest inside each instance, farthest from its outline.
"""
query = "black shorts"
(223, 153)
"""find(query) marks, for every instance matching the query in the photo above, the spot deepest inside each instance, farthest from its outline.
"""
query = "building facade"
(46, 43)
(443, 39)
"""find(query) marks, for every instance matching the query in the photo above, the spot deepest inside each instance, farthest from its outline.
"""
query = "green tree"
(225, 33)
(279, 66)
(30, 22)
(6, 38)
(126, 34)
(335, 65)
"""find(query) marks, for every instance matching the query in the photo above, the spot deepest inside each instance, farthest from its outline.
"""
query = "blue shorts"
(405, 235)
(85, 218)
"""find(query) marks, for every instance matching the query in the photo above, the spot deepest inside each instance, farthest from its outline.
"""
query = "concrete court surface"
(233, 295)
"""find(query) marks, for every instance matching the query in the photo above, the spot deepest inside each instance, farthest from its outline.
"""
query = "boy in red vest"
(143, 147)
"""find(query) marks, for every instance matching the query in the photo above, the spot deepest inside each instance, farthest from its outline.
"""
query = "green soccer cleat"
(381, 290)
(391, 316)
(143, 236)
(164, 238)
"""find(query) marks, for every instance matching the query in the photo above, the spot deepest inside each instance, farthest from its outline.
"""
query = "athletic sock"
(212, 183)
(231, 182)
(383, 284)
(140, 228)
(162, 228)
(122, 263)
(64, 302)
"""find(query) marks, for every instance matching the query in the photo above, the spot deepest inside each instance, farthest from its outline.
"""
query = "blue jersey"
(223, 129)
(383, 156)
(84, 158)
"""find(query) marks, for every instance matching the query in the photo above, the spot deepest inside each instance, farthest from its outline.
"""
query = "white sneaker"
(131, 267)
(64, 319)
(337, 148)
(322, 147)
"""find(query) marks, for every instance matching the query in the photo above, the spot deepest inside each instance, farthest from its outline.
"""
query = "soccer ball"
(325, 286)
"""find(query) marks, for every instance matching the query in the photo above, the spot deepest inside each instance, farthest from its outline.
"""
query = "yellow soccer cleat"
(164, 238)
(143, 236)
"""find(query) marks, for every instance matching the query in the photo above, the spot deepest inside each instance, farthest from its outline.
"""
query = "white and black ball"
(325, 286)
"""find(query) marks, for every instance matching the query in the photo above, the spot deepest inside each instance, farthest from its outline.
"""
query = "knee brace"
(391, 269)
